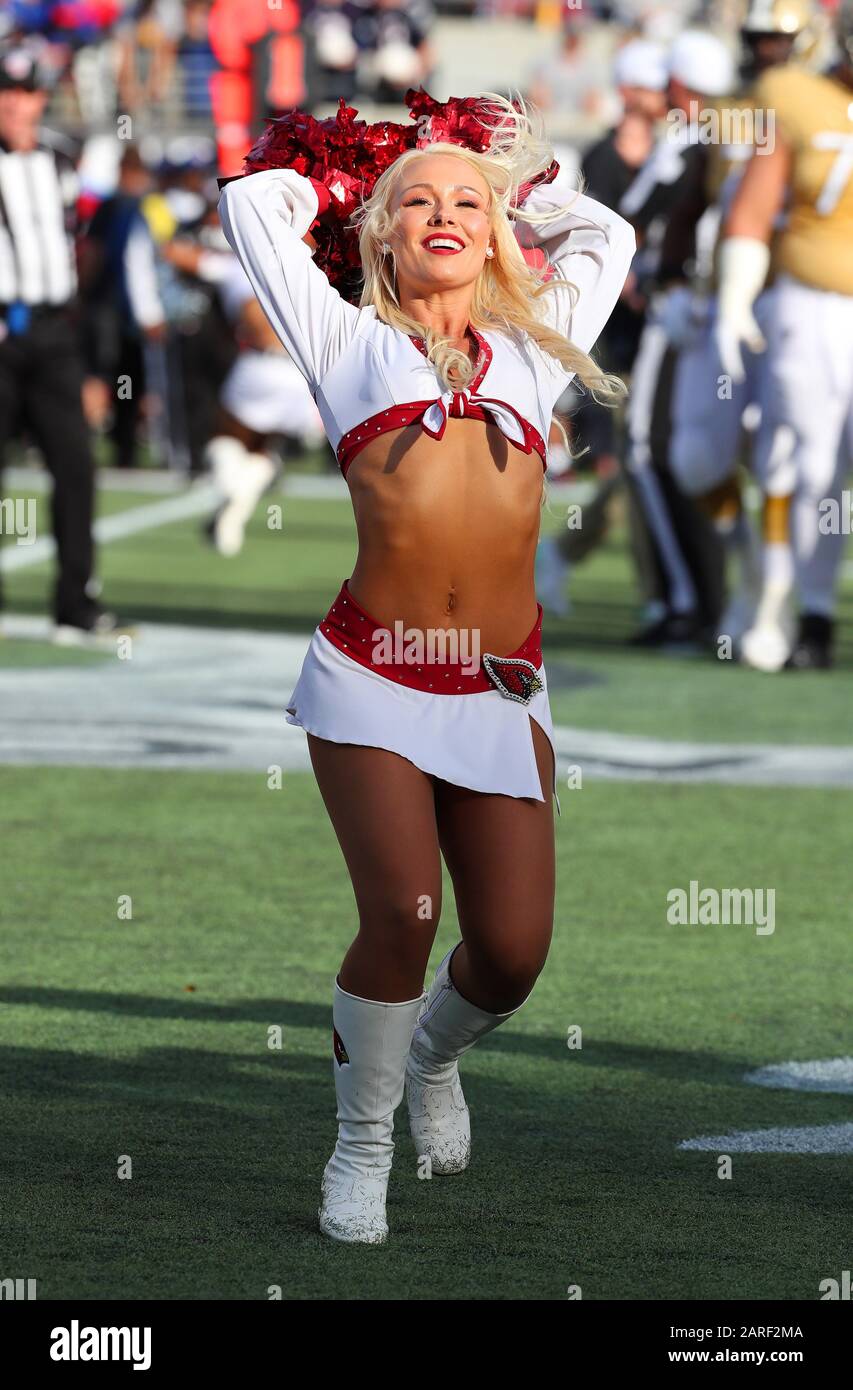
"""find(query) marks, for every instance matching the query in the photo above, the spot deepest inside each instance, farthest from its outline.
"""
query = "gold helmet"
(800, 19)
(778, 16)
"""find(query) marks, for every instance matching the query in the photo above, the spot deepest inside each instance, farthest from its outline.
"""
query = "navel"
(451, 601)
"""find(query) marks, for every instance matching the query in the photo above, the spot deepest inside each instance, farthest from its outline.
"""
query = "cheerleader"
(423, 693)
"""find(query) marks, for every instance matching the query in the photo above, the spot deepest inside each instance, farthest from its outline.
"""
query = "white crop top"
(367, 377)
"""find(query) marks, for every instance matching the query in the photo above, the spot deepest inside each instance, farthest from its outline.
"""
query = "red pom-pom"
(346, 156)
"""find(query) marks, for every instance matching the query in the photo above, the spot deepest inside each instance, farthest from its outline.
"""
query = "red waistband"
(349, 628)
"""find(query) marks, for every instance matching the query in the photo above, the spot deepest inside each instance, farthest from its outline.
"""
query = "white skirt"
(480, 740)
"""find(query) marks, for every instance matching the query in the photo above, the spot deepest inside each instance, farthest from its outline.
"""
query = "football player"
(810, 337)
(701, 74)
(708, 411)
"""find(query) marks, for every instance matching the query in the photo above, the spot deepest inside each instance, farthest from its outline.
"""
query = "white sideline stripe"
(214, 698)
(833, 1074)
(810, 1139)
(198, 500)
(162, 480)
(316, 486)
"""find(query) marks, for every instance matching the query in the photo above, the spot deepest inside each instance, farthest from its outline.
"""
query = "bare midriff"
(447, 532)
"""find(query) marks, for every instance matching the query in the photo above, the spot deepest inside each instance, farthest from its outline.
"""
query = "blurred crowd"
(161, 307)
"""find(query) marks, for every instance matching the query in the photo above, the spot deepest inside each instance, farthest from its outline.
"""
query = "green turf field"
(284, 580)
(147, 1037)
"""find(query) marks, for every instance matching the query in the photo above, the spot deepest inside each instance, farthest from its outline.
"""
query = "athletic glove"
(744, 263)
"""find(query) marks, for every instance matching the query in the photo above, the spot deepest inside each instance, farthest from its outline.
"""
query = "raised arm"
(264, 217)
(588, 245)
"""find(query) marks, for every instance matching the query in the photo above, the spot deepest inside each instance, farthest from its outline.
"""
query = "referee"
(41, 369)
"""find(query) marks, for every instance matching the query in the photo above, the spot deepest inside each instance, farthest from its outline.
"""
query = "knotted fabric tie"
(459, 404)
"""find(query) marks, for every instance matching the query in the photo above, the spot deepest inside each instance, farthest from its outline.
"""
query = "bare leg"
(500, 854)
(382, 809)
(383, 813)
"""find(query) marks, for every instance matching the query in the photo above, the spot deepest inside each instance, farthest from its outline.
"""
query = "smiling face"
(441, 226)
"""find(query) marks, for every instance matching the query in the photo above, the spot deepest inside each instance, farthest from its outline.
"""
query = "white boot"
(242, 478)
(371, 1045)
(438, 1115)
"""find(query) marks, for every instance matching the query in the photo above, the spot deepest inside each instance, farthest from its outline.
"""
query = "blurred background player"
(708, 410)
(684, 590)
(264, 398)
(809, 341)
(121, 306)
(187, 364)
(608, 169)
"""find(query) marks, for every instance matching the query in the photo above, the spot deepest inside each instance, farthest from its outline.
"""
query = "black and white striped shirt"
(38, 191)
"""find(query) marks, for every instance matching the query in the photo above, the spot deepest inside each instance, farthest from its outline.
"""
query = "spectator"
(332, 52)
(568, 82)
(148, 40)
(401, 53)
(196, 61)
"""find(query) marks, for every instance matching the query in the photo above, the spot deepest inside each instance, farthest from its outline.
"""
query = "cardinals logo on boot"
(341, 1054)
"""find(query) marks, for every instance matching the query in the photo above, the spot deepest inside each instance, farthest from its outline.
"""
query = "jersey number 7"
(839, 175)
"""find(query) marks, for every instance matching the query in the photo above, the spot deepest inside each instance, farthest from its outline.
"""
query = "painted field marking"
(199, 500)
(809, 1139)
(833, 1075)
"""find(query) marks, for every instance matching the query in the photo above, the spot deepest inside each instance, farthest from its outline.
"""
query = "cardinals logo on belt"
(341, 1054)
(514, 678)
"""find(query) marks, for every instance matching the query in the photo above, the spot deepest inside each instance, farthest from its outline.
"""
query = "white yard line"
(215, 698)
(806, 1139)
(196, 502)
(828, 1074)
(833, 1074)
(194, 499)
(164, 481)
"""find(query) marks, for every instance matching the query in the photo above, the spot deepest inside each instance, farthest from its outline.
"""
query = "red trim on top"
(461, 408)
(394, 418)
(484, 360)
(352, 630)
(398, 416)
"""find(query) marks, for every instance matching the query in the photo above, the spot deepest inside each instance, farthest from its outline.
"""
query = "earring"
(490, 251)
(385, 248)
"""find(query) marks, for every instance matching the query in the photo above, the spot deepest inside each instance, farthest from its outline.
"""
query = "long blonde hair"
(508, 292)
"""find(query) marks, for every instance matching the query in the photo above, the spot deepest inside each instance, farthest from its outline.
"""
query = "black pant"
(690, 532)
(41, 375)
(130, 363)
(204, 359)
